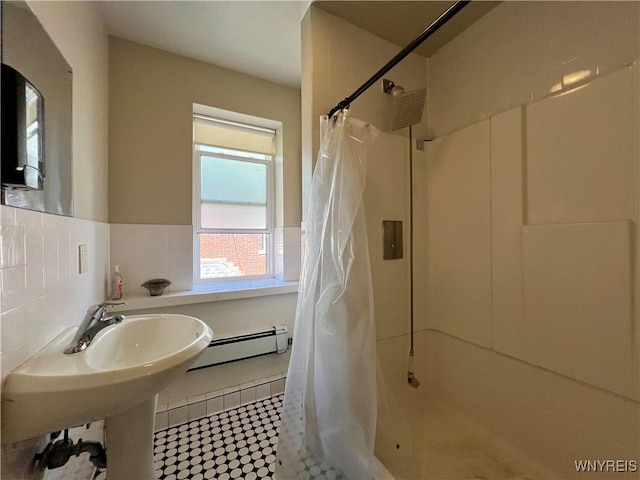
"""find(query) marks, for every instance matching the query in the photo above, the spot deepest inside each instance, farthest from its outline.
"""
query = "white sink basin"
(125, 365)
(147, 342)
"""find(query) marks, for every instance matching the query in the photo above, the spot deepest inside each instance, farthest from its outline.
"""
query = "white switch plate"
(83, 252)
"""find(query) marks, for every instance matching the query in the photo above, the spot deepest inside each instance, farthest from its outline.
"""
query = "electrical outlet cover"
(83, 253)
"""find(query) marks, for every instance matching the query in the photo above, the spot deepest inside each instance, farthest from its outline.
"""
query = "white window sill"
(210, 293)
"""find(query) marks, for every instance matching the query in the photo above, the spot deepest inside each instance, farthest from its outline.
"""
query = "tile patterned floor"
(236, 444)
(239, 443)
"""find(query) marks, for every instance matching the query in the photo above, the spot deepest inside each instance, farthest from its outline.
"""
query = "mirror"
(36, 116)
(22, 138)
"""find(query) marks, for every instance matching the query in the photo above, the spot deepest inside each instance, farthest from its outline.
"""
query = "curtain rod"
(430, 30)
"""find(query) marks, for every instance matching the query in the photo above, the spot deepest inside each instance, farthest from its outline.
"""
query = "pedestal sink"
(116, 378)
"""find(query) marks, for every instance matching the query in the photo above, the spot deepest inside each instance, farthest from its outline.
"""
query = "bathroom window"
(233, 200)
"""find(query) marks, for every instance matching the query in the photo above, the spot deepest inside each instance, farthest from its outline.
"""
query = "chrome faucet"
(93, 322)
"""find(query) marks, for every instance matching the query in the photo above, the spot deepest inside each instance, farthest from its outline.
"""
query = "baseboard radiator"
(253, 344)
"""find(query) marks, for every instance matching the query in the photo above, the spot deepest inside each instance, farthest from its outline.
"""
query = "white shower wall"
(547, 355)
(530, 382)
(520, 52)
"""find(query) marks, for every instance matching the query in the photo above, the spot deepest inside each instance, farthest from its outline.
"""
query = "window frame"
(198, 230)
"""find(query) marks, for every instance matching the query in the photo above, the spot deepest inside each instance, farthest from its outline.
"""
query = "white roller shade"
(233, 135)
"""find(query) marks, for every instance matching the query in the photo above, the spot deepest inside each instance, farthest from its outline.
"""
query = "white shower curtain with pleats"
(329, 413)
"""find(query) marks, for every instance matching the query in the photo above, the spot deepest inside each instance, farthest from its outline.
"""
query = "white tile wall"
(263, 390)
(278, 243)
(231, 400)
(198, 409)
(277, 385)
(212, 381)
(178, 415)
(215, 404)
(42, 290)
(162, 420)
(198, 406)
(287, 253)
(291, 254)
(248, 395)
(12, 238)
(166, 251)
(153, 251)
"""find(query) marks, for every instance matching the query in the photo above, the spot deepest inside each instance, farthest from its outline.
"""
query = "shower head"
(407, 106)
(412, 380)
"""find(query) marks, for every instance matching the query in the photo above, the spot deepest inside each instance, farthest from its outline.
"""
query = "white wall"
(144, 252)
(42, 291)
(337, 58)
(527, 299)
(521, 52)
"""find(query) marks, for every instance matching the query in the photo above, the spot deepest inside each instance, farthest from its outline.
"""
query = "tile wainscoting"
(166, 251)
(222, 400)
(43, 291)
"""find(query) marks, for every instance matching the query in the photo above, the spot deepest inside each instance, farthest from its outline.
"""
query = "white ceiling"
(262, 38)
(400, 21)
(259, 38)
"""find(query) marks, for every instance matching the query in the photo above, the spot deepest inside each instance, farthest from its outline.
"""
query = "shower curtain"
(329, 413)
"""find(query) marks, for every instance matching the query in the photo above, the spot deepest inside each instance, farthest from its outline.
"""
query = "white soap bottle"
(116, 283)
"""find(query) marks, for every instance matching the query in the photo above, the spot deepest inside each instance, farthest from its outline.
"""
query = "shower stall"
(519, 318)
